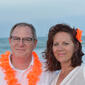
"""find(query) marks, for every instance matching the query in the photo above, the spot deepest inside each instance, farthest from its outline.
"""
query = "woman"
(64, 54)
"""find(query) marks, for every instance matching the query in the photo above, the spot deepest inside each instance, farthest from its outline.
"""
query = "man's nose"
(21, 43)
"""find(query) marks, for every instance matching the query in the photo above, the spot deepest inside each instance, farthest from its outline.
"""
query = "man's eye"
(15, 38)
(28, 39)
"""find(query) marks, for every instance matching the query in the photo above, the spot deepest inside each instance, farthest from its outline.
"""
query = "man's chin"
(19, 55)
(20, 50)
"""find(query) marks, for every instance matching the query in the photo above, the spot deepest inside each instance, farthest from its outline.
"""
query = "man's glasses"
(25, 40)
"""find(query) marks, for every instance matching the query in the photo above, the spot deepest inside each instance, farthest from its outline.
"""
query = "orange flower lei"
(33, 75)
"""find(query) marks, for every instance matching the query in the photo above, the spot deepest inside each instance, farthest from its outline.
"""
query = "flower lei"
(33, 75)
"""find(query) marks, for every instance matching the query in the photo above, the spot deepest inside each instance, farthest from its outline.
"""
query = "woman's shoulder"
(81, 70)
(83, 66)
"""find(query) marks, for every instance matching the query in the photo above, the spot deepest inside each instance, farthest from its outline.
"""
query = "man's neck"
(21, 62)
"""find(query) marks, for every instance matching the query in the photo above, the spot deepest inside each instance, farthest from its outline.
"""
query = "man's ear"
(9, 40)
(35, 44)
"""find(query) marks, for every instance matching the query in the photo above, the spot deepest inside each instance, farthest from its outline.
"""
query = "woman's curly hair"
(51, 62)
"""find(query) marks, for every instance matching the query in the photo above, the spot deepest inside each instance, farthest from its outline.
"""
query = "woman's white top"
(75, 77)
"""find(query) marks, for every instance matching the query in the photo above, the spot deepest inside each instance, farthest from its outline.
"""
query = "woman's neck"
(66, 66)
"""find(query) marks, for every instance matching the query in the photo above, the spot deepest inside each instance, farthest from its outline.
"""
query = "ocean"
(41, 45)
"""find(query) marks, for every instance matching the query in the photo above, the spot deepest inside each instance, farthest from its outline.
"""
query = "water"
(4, 45)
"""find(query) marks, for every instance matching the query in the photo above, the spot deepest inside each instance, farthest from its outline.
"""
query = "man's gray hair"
(24, 25)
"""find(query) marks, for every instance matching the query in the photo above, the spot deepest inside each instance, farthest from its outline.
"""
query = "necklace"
(32, 76)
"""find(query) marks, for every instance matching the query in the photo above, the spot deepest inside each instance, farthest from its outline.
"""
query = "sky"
(42, 14)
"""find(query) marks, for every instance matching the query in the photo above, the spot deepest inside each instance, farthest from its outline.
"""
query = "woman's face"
(63, 47)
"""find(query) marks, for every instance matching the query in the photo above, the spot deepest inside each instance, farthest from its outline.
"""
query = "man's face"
(21, 42)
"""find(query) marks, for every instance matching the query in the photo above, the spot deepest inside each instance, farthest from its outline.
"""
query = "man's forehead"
(23, 27)
(22, 30)
(19, 28)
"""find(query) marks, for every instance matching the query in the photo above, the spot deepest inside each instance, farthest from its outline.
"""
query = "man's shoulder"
(46, 72)
(44, 68)
(47, 77)
(2, 75)
(3, 59)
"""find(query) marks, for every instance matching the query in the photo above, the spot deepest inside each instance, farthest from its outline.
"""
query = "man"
(22, 66)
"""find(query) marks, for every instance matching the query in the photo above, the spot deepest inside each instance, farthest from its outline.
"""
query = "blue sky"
(42, 14)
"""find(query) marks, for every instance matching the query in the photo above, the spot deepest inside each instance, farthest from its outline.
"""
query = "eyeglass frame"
(24, 40)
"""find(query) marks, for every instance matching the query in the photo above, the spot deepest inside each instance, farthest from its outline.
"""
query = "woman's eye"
(55, 44)
(66, 43)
